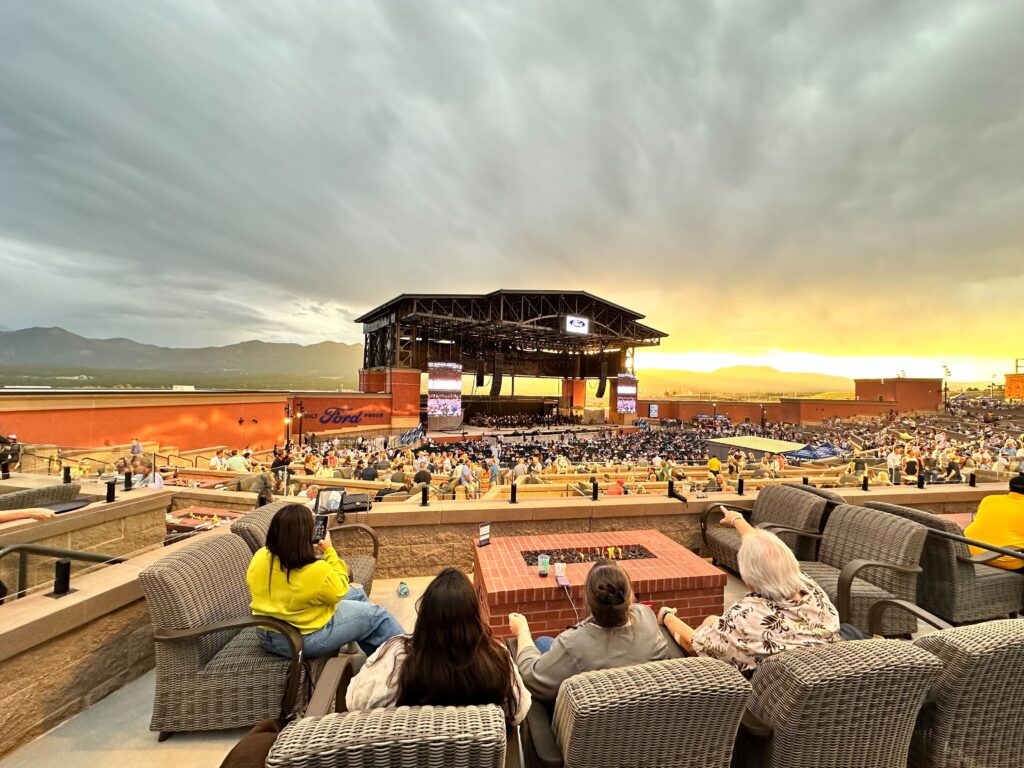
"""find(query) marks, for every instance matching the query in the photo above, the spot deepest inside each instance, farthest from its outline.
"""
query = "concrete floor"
(115, 731)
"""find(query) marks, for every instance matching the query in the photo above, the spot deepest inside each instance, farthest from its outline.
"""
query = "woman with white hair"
(784, 609)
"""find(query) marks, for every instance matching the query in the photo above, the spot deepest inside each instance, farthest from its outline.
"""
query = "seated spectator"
(618, 633)
(953, 473)
(28, 513)
(148, 476)
(218, 462)
(784, 609)
(288, 582)
(422, 476)
(368, 473)
(236, 463)
(451, 660)
(1000, 522)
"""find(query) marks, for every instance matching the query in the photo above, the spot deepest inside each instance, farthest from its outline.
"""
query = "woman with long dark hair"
(288, 581)
(452, 659)
(618, 633)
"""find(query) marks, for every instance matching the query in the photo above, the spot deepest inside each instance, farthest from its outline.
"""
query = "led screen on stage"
(625, 393)
(444, 389)
(653, 411)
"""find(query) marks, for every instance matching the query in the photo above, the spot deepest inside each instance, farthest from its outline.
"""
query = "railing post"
(111, 492)
(22, 574)
(424, 496)
(512, 493)
(739, 487)
(864, 482)
(67, 475)
(972, 480)
(61, 578)
(920, 479)
(594, 491)
(807, 481)
(128, 480)
(671, 488)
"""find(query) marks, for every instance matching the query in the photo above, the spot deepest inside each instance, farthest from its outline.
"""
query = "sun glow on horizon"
(853, 367)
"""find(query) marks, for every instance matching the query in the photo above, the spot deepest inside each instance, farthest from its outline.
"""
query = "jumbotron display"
(444, 389)
(625, 393)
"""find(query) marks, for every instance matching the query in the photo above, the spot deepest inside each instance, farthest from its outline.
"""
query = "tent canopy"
(751, 443)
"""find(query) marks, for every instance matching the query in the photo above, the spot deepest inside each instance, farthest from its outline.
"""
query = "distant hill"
(58, 348)
(738, 379)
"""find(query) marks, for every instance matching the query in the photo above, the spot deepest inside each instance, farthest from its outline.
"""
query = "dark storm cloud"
(273, 168)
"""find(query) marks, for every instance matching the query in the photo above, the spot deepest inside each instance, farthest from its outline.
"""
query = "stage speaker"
(499, 361)
(603, 381)
(480, 377)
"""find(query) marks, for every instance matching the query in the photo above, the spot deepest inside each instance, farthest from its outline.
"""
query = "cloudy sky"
(837, 185)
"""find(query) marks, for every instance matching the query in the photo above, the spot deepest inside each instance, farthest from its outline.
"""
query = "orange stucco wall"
(910, 394)
(685, 410)
(185, 425)
(1015, 386)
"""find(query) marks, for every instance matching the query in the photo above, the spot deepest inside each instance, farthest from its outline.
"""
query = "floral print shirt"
(756, 627)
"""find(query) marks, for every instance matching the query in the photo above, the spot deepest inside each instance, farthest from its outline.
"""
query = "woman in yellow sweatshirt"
(287, 581)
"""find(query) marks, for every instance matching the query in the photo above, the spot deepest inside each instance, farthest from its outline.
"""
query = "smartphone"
(328, 500)
(320, 528)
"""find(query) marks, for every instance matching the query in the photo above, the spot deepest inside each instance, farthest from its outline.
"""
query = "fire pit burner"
(589, 554)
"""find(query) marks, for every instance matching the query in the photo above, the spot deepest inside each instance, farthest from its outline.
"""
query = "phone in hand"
(320, 528)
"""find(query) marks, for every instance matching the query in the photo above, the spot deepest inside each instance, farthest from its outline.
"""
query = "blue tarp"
(811, 453)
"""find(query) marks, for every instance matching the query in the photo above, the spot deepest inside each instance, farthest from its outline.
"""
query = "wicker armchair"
(851, 704)
(776, 504)
(828, 495)
(681, 711)
(59, 493)
(973, 714)
(403, 737)
(253, 530)
(866, 556)
(211, 670)
(954, 585)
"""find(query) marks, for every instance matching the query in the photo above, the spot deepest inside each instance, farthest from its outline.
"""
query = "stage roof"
(508, 322)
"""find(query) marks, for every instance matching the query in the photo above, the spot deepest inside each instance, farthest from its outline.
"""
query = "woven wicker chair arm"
(876, 611)
(754, 725)
(332, 686)
(542, 736)
(711, 509)
(291, 634)
(776, 528)
(360, 527)
(850, 571)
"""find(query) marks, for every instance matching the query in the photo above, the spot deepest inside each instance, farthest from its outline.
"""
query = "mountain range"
(44, 355)
(58, 348)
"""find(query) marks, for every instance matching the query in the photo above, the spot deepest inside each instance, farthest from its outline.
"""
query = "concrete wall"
(1015, 386)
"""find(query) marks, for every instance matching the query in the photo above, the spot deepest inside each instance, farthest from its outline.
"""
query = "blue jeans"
(355, 618)
(544, 643)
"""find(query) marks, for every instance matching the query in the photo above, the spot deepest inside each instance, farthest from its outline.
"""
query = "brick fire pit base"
(674, 576)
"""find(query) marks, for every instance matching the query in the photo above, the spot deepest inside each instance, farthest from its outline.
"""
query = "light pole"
(287, 425)
(300, 414)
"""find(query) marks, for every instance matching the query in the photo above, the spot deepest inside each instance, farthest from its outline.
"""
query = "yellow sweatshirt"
(1000, 522)
(306, 599)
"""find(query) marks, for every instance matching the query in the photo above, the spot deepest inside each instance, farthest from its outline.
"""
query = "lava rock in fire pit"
(589, 554)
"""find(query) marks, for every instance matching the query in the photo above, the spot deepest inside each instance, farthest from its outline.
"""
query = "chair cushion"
(243, 652)
(863, 594)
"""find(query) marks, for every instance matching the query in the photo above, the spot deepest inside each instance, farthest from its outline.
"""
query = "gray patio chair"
(776, 504)
(954, 585)
(253, 530)
(58, 493)
(848, 704)
(867, 555)
(973, 714)
(211, 670)
(824, 493)
(402, 737)
(680, 711)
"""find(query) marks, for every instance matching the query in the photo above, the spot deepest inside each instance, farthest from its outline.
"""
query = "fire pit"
(662, 572)
(589, 554)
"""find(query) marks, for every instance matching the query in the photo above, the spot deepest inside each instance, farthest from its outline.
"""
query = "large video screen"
(625, 393)
(444, 389)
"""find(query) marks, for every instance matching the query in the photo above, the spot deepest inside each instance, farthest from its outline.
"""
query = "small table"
(673, 576)
(190, 519)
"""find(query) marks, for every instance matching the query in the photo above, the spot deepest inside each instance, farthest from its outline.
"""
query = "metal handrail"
(24, 550)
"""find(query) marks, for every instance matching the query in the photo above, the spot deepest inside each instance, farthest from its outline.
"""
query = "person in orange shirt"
(1000, 522)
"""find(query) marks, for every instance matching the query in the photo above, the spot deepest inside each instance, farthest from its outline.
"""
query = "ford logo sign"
(577, 323)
